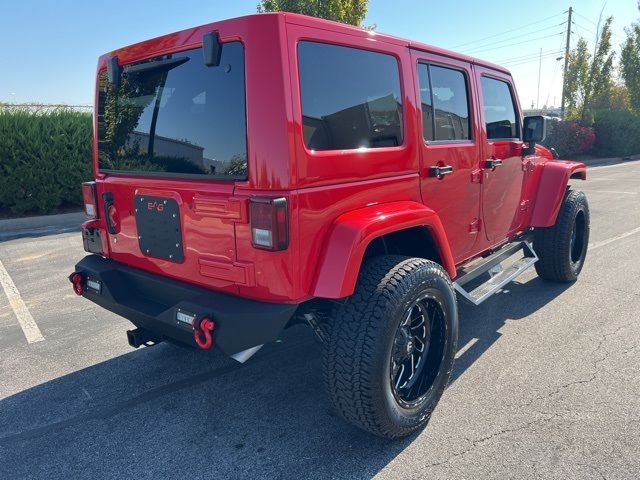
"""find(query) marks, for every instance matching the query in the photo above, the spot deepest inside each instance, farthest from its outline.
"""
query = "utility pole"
(539, 71)
(566, 61)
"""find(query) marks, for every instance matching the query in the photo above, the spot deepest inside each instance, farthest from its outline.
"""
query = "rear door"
(504, 169)
(171, 145)
(449, 174)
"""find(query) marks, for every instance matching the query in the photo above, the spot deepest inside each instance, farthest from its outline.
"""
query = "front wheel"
(391, 345)
(562, 248)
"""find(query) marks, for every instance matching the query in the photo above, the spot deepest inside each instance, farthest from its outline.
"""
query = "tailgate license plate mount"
(159, 229)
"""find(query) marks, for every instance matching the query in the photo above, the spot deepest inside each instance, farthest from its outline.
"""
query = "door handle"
(492, 163)
(440, 171)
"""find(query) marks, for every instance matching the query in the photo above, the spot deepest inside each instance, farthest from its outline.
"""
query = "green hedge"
(44, 157)
(617, 133)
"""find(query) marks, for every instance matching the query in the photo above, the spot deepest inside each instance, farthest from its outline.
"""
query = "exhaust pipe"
(140, 336)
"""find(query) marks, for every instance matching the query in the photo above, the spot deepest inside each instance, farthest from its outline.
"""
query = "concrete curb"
(38, 226)
(597, 162)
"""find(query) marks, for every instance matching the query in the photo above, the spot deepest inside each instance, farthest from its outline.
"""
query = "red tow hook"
(77, 280)
(204, 330)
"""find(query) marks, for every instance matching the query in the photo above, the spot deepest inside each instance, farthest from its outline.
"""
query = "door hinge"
(475, 226)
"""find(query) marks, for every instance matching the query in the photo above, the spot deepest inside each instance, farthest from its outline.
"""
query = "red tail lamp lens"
(77, 281)
(89, 199)
(269, 223)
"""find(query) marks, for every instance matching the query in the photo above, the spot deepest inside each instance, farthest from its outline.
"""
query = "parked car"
(275, 169)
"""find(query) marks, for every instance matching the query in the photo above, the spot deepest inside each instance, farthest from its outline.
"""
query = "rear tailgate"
(171, 145)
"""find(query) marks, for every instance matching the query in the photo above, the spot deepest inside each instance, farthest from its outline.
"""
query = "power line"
(582, 27)
(553, 78)
(508, 31)
(530, 55)
(555, 70)
(584, 18)
(497, 42)
(519, 43)
(531, 60)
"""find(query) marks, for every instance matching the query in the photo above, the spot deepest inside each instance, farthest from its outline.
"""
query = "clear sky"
(50, 47)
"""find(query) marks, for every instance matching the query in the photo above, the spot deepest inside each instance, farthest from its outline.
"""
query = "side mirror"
(534, 129)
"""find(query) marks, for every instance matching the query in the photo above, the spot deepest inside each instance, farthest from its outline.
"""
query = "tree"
(589, 79)
(630, 64)
(345, 11)
(598, 94)
(619, 98)
(576, 78)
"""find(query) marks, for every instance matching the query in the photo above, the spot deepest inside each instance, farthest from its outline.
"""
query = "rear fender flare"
(551, 188)
(353, 231)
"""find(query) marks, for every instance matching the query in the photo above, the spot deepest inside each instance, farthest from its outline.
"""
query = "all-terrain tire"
(362, 337)
(562, 248)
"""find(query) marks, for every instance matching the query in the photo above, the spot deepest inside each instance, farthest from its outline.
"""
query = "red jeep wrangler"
(272, 169)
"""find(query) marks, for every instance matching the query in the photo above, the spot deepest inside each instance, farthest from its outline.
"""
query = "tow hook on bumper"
(202, 333)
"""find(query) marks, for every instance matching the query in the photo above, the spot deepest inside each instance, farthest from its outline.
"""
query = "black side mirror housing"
(534, 129)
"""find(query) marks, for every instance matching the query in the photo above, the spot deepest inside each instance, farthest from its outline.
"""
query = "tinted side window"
(350, 97)
(499, 110)
(448, 107)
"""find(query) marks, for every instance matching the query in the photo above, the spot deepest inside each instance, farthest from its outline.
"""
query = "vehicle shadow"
(480, 325)
(165, 412)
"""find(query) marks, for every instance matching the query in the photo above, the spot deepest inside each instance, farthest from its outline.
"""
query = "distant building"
(169, 147)
(554, 112)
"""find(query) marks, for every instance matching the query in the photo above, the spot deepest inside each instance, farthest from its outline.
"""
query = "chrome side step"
(499, 276)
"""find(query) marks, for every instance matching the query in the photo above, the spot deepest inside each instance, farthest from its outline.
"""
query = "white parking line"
(602, 243)
(614, 192)
(615, 165)
(27, 323)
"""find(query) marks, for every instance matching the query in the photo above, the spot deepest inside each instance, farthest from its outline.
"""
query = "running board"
(499, 278)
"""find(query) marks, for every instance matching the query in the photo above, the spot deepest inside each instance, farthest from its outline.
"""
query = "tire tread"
(350, 354)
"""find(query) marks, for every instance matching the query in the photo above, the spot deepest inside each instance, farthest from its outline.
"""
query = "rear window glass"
(176, 117)
(350, 97)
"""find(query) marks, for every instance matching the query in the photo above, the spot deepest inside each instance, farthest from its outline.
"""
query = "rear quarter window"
(350, 97)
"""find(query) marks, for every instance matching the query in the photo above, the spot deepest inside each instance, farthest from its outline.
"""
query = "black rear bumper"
(151, 302)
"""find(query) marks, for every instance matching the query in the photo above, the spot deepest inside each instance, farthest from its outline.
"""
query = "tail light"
(269, 223)
(89, 199)
(78, 283)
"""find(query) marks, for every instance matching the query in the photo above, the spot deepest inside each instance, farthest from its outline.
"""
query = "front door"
(503, 168)
(450, 148)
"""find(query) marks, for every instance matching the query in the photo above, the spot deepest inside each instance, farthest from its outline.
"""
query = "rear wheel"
(391, 345)
(562, 248)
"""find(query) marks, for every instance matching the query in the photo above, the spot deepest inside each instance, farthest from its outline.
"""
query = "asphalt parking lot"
(547, 383)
